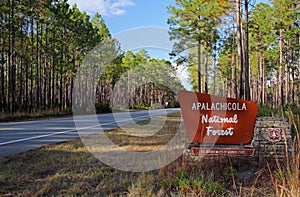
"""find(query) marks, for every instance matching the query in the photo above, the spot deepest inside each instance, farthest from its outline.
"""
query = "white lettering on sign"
(219, 132)
(206, 118)
(219, 106)
(218, 119)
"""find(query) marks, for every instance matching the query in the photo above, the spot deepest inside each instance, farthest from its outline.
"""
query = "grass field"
(69, 169)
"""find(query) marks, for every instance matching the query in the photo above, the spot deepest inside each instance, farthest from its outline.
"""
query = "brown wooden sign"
(213, 119)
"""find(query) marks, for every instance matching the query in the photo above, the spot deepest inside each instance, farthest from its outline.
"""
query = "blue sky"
(120, 15)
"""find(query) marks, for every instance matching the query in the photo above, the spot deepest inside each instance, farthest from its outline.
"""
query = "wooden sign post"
(216, 120)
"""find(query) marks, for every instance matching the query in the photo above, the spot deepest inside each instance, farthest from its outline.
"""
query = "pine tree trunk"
(287, 83)
(280, 82)
(215, 73)
(27, 66)
(13, 60)
(247, 68)
(199, 66)
(240, 49)
(233, 71)
(2, 64)
(32, 107)
(46, 72)
(206, 74)
(37, 73)
(261, 77)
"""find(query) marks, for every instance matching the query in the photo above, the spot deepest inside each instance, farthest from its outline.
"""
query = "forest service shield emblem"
(274, 134)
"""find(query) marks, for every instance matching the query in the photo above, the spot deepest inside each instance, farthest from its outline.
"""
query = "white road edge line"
(68, 131)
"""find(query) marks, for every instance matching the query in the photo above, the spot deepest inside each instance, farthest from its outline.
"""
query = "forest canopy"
(42, 46)
(244, 50)
(239, 48)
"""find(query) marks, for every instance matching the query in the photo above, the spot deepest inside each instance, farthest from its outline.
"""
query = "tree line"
(239, 49)
(42, 46)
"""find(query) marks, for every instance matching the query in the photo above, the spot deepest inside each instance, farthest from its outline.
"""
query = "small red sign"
(274, 134)
(210, 119)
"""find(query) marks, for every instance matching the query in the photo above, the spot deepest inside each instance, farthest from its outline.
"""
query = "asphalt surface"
(19, 137)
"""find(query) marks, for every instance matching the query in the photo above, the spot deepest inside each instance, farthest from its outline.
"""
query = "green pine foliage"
(272, 48)
(42, 46)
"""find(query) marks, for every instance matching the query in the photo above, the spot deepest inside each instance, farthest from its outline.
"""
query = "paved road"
(22, 136)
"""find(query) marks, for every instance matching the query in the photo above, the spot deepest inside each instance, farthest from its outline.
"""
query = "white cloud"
(103, 7)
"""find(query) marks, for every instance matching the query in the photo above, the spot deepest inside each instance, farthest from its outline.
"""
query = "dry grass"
(142, 142)
(22, 116)
(68, 169)
(286, 179)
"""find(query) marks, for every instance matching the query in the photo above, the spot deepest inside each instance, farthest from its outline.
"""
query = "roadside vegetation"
(68, 169)
(19, 116)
